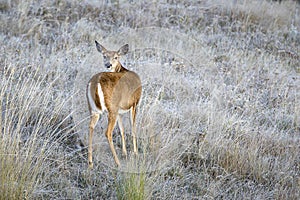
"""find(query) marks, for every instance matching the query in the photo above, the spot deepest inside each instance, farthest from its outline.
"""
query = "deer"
(115, 92)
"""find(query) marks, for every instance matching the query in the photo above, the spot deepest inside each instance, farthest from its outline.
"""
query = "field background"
(219, 117)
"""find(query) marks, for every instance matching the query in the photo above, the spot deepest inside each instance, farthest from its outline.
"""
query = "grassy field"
(219, 116)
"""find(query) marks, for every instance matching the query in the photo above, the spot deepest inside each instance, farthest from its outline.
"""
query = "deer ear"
(100, 48)
(123, 50)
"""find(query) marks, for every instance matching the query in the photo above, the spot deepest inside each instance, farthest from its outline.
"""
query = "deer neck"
(120, 68)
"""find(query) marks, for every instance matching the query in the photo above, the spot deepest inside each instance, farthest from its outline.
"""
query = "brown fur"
(121, 91)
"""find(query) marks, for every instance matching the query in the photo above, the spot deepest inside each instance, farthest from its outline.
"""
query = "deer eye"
(116, 58)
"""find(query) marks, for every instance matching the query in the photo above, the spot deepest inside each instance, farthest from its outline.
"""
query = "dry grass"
(219, 117)
(31, 128)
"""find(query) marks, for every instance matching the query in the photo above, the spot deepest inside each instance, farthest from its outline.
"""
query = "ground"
(219, 115)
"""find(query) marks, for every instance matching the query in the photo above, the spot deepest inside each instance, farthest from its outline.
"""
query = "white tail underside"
(100, 96)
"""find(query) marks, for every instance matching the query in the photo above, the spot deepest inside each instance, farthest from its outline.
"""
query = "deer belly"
(122, 111)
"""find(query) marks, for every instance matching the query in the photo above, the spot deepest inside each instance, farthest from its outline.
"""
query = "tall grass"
(219, 115)
(30, 126)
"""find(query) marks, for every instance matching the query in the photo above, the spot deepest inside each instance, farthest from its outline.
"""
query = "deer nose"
(107, 65)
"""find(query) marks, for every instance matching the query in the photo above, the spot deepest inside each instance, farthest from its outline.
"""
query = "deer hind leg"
(121, 127)
(112, 118)
(93, 122)
(133, 127)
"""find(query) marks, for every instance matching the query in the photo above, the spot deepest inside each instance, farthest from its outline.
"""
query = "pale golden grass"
(219, 117)
(31, 124)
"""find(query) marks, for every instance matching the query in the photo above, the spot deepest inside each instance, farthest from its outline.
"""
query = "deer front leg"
(93, 122)
(112, 118)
